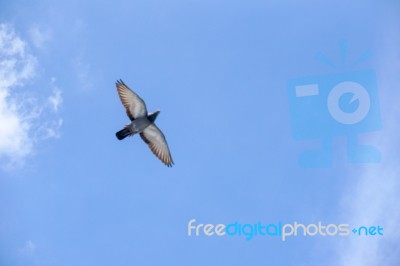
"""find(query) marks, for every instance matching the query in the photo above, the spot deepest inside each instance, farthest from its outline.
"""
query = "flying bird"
(142, 122)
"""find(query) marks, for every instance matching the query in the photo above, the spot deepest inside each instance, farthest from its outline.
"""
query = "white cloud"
(29, 248)
(14, 141)
(83, 73)
(81, 67)
(55, 100)
(372, 201)
(373, 196)
(16, 64)
(48, 130)
(40, 36)
(24, 119)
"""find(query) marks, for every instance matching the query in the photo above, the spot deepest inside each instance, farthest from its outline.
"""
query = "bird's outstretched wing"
(155, 139)
(134, 105)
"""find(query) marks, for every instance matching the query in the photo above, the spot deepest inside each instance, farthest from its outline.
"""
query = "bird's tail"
(123, 133)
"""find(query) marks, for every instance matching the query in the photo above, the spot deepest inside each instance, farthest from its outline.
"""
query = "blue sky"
(72, 194)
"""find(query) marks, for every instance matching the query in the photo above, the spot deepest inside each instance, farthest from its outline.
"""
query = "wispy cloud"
(40, 36)
(83, 72)
(55, 100)
(81, 67)
(29, 249)
(372, 201)
(373, 196)
(16, 64)
(24, 119)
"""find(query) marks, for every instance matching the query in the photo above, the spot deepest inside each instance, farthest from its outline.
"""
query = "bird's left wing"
(155, 139)
(134, 105)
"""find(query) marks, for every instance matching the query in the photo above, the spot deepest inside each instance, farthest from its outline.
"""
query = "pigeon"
(142, 122)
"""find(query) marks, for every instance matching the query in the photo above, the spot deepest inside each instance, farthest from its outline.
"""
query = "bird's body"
(137, 125)
(142, 123)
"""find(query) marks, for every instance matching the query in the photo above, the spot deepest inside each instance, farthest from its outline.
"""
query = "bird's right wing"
(153, 136)
(134, 105)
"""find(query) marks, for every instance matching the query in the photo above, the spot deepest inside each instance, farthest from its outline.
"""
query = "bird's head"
(152, 117)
